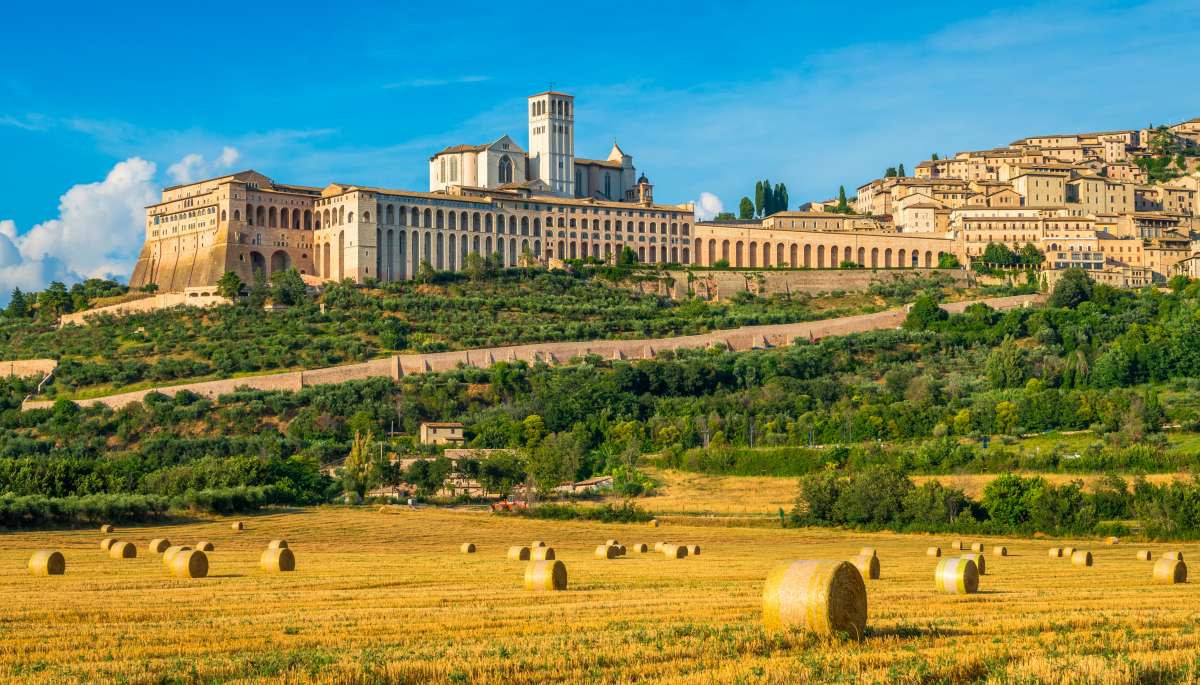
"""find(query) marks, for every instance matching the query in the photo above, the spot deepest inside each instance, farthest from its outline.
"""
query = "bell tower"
(552, 141)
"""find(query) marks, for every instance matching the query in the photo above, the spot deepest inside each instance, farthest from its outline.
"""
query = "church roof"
(598, 162)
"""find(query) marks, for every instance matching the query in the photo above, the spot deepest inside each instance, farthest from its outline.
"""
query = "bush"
(608, 513)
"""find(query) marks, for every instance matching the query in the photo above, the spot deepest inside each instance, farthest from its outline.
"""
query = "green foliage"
(625, 512)
(230, 285)
(1073, 288)
(39, 511)
(746, 209)
(924, 314)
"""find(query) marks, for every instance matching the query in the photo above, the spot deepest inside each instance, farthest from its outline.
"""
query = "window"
(506, 169)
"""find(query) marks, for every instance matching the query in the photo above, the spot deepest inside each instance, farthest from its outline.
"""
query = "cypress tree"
(759, 198)
(18, 306)
(900, 171)
(746, 209)
(842, 205)
(768, 198)
(781, 197)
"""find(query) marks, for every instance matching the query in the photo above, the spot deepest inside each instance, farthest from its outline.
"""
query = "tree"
(628, 257)
(890, 173)
(781, 198)
(746, 209)
(259, 291)
(934, 157)
(229, 285)
(768, 199)
(1073, 288)
(1030, 255)
(393, 333)
(555, 460)
(150, 288)
(55, 299)
(475, 267)
(948, 261)
(18, 306)
(998, 254)
(900, 171)
(357, 468)
(842, 206)
(924, 313)
(287, 288)
(1006, 416)
(759, 198)
(724, 216)
(1007, 365)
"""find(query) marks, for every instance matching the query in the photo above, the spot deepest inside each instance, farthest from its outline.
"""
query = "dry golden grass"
(384, 597)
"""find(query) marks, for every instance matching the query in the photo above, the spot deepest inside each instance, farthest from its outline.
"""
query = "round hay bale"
(107, 543)
(956, 576)
(693, 550)
(47, 562)
(518, 553)
(867, 552)
(817, 596)
(170, 553)
(190, 563)
(122, 550)
(1081, 557)
(980, 562)
(237, 525)
(621, 550)
(541, 554)
(1174, 554)
(159, 545)
(107, 528)
(1170, 571)
(277, 544)
(1068, 551)
(277, 560)
(958, 545)
(537, 543)
(546, 575)
(653, 523)
(641, 548)
(612, 542)
(1000, 551)
(867, 566)
(658, 546)
(1111, 540)
(1056, 552)
(977, 547)
(204, 546)
(607, 552)
(467, 548)
(674, 551)
(1145, 555)
(933, 552)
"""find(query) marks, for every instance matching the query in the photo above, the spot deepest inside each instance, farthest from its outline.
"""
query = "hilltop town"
(1122, 205)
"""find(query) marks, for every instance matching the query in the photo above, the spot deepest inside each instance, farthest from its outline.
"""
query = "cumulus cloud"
(97, 234)
(194, 167)
(708, 206)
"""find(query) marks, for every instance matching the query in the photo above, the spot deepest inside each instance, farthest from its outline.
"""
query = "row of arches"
(752, 254)
(652, 254)
(272, 217)
(414, 217)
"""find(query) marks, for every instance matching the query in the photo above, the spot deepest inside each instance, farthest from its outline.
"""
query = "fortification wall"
(23, 368)
(722, 285)
(195, 297)
(737, 339)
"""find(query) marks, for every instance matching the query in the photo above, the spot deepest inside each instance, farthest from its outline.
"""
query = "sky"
(101, 105)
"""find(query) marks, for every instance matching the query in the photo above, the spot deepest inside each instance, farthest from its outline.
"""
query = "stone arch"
(308, 219)
(874, 257)
(887, 258)
(440, 219)
(414, 251)
(415, 218)
(280, 261)
(725, 250)
(793, 251)
(862, 256)
(272, 218)
(900, 258)
(753, 253)
(807, 256)
(257, 263)
(440, 255)
(428, 218)
(737, 249)
(325, 272)
(260, 216)
(712, 251)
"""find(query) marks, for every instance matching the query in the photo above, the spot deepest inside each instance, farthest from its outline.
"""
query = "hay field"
(388, 597)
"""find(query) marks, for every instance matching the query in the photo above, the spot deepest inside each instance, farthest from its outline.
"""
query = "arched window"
(506, 169)
(223, 214)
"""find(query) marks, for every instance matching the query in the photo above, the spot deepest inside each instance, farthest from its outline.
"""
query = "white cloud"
(708, 206)
(194, 167)
(97, 234)
(436, 82)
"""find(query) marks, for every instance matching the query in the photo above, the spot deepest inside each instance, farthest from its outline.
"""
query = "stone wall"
(737, 339)
(22, 368)
(722, 285)
(195, 297)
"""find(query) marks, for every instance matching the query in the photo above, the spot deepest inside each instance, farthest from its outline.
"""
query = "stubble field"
(387, 598)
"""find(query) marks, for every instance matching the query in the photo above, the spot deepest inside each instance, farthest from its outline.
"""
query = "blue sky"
(102, 104)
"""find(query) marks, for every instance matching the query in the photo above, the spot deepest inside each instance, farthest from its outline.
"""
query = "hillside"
(347, 324)
(1119, 366)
